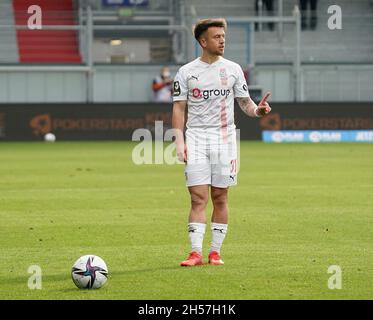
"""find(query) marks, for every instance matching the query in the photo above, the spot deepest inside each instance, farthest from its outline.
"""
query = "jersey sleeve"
(180, 92)
(240, 87)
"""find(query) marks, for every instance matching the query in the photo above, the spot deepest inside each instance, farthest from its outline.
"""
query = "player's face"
(214, 41)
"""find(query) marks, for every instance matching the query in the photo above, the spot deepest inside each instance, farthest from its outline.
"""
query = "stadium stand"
(8, 42)
(62, 46)
(340, 60)
(336, 45)
(352, 44)
(46, 46)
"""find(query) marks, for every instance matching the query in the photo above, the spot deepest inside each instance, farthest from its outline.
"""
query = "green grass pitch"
(298, 209)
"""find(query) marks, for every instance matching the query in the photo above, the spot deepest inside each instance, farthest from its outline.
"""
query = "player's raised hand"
(263, 106)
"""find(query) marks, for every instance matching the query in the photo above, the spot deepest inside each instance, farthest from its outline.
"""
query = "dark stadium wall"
(30, 122)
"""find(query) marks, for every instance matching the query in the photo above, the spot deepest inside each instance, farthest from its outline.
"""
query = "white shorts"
(210, 160)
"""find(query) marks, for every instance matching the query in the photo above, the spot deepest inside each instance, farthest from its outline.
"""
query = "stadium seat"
(47, 46)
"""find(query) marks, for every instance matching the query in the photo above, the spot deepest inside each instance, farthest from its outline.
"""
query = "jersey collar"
(209, 64)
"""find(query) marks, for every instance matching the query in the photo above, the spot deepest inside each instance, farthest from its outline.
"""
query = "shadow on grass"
(47, 278)
(145, 270)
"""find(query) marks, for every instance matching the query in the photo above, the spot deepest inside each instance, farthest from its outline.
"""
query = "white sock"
(218, 232)
(196, 232)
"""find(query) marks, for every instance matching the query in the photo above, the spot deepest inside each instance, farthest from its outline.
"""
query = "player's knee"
(220, 204)
(199, 201)
(219, 200)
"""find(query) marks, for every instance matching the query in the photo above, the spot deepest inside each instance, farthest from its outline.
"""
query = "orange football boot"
(194, 259)
(214, 258)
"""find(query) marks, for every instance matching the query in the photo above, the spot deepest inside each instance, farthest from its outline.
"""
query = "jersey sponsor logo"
(177, 90)
(206, 94)
(244, 87)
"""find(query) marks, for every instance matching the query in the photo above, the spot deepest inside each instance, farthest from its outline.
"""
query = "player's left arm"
(252, 109)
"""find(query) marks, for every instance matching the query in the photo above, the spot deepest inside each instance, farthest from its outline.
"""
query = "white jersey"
(209, 90)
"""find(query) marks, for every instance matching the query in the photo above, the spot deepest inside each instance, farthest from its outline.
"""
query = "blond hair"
(203, 25)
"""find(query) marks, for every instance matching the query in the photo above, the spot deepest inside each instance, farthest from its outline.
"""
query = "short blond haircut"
(203, 25)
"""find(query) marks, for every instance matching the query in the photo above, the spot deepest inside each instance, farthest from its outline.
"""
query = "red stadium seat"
(47, 46)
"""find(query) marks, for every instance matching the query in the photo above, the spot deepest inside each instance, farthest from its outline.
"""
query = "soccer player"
(207, 87)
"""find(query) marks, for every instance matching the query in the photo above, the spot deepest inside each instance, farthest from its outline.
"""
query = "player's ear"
(203, 42)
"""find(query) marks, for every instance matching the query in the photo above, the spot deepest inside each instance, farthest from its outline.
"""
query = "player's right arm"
(180, 97)
(178, 120)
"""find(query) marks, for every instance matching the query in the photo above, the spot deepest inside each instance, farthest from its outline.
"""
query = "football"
(50, 137)
(89, 272)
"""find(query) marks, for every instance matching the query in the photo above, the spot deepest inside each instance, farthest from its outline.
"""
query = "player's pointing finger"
(264, 99)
